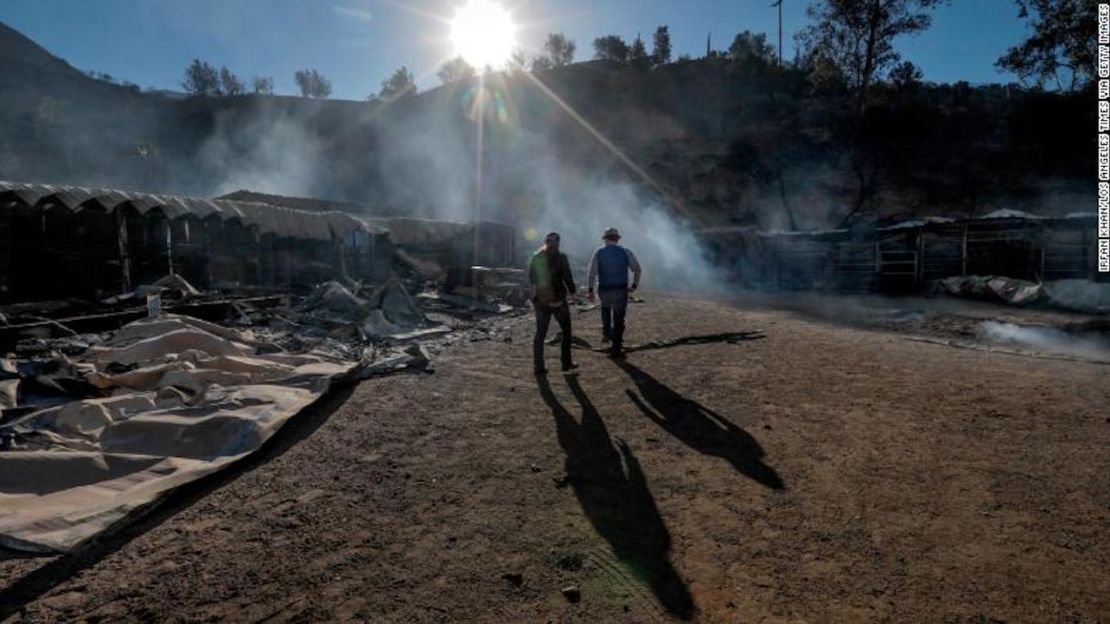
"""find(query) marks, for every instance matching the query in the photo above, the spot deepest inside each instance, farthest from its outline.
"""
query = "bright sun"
(483, 33)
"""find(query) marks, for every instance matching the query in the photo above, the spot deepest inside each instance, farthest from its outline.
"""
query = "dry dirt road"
(798, 472)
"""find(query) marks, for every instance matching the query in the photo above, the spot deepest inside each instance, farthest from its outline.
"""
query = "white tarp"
(1006, 289)
(184, 399)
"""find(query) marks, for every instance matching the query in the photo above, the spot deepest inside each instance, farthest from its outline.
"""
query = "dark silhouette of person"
(608, 270)
(699, 427)
(550, 275)
(614, 495)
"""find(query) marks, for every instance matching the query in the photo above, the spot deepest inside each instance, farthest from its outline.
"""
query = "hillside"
(706, 139)
(24, 63)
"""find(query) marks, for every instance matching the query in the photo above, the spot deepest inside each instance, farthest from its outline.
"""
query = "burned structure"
(909, 255)
(447, 244)
(60, 242)
(70, 242)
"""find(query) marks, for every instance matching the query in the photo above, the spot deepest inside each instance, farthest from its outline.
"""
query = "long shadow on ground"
(614, 495)
(33, 585)
(728, 337)
(699, 427)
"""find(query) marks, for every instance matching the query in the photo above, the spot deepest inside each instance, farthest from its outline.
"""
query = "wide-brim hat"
(611, 233)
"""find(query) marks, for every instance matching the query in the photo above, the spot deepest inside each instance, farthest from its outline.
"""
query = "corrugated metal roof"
(277, 220)
(912, 224)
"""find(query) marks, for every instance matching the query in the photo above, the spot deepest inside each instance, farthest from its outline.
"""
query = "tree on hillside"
(637, 54)
(400, 85)
(905, 75)
(661, 46)
(751, 49)
(102, 76)
(857, 37)
(230, 84)
(518, 62)
(851, 42)
(312, 84)
(611, 48)
(262, 85)
(455, 70)
(559, 49)
(1063, 38)
(542, 63)
(201, 79)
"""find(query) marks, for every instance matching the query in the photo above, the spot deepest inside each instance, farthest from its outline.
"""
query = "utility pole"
(779, 5)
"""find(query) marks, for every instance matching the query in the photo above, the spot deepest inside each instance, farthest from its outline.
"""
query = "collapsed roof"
(269, 219)
(300, 203)
(405, 231)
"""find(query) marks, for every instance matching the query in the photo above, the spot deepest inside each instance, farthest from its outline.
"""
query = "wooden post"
(124, 249)
(169, 245)
(1040, 278)
(341, 249)
(206, 226)
(963, 253)
(919, 268)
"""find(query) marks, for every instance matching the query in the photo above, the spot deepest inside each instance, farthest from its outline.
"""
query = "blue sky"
(357, 43)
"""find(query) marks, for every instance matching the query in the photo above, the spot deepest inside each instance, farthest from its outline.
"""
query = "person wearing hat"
(608, 270)
(552, 280)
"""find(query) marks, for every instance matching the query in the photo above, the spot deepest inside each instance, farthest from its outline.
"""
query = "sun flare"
(483, 34)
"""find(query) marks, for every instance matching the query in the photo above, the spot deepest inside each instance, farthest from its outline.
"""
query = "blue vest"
(612, 267)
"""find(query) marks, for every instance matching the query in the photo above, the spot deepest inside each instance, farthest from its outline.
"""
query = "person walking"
(553, 283)
(608, 270)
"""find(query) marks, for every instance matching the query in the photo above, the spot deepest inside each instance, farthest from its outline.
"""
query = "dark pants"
(614, 305)
(543, 321)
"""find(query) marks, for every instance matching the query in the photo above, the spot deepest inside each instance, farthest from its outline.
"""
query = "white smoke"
(1044, 340)
(581, 210)
(540, 173)
(269, 154)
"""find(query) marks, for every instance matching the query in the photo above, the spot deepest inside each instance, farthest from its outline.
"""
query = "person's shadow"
(699, 427)
(613, 492)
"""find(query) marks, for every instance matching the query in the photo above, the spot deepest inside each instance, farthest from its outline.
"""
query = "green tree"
(230, 84)
(905, 75)
(1063, 38)
(312, 84)
(455, 70)
(401, 84)
(857, 37)
(518, 62)
(661, 46)
(262, 85)
(851, 42)
(611, 48)
(201, 79)
(637, 54)
(751, 49)
(559, 49)
(542, 63)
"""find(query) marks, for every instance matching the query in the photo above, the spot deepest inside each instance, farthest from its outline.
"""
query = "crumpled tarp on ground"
(1077, 295)
(1004, 289)
(182, 399)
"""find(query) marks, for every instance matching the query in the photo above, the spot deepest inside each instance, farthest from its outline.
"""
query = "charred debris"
(1048, 259)
(79, 264)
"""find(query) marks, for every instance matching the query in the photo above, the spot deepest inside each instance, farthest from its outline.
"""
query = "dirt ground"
(793, 470)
